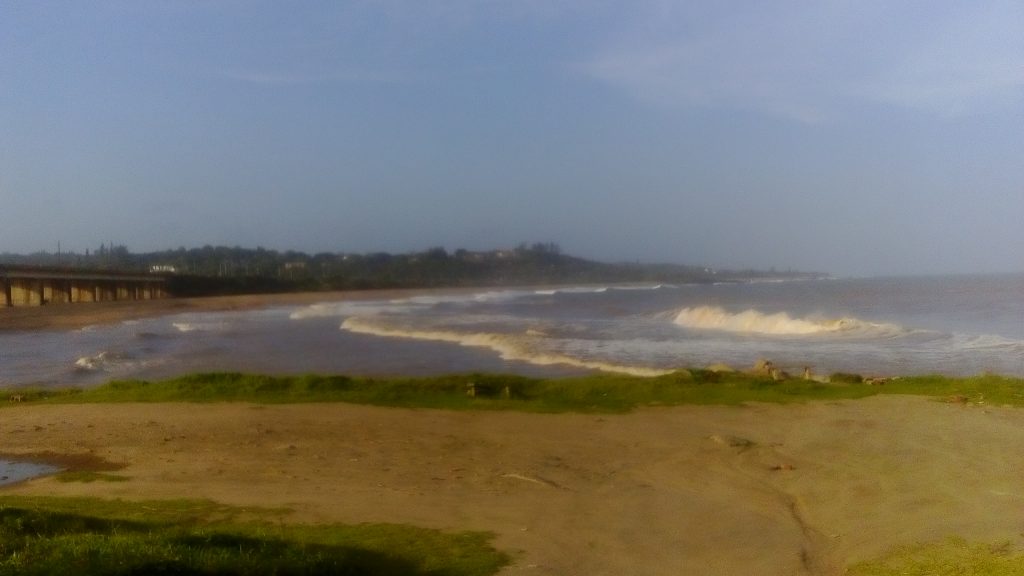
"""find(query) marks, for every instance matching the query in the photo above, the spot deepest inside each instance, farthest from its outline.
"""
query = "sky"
(855, 137)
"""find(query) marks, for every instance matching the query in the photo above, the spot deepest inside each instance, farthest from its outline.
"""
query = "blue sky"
(861, 137)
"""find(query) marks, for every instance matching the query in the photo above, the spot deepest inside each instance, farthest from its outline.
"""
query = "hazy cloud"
(269, 78)
(809, 61)
(963, 62)
(370, 41)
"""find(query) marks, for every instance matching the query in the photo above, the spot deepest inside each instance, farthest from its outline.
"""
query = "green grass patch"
(88, 476)
(88, 536)
(952, 557)
(595, 393)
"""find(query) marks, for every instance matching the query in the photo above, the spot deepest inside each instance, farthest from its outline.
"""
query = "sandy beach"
(800, 489)
(763, 489)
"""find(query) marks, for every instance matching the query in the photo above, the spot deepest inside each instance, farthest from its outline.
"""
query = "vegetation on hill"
(222, 270)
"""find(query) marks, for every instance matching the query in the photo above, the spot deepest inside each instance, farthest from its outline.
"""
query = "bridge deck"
(31, 286)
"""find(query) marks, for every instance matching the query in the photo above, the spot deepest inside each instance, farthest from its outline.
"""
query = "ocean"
(954, 325)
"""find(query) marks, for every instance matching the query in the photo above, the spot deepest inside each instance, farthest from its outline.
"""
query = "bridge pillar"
(24, 292)
(60, 291)
(85, 292)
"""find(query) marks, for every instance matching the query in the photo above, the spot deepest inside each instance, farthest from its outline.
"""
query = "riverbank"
(765, 489)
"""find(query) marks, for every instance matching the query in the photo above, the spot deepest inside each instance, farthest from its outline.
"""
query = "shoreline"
(76, 316)
(80, 315)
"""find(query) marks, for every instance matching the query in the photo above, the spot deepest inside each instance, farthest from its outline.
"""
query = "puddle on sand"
(12, 471)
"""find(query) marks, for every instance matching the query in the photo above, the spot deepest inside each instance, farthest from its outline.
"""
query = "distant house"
(471, 256)
(293, 269)
(163, 269)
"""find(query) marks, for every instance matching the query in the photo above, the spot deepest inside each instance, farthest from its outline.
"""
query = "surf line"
(506, 347)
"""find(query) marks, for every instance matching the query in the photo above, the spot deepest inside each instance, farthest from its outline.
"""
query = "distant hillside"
(221, 270)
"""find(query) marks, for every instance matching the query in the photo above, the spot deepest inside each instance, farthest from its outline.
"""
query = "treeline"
(224, 270)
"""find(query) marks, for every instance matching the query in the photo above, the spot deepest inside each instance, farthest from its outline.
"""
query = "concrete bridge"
(31, 286)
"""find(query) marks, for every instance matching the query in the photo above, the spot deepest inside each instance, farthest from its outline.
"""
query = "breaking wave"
(509, 347)
(601, 289)
(343, 309)
(778, 324)
(105, 362)
(572, 290)
(988, 342)
(186, 327)
(643, 288)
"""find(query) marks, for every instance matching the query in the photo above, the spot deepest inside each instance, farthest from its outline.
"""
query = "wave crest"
(756, 322)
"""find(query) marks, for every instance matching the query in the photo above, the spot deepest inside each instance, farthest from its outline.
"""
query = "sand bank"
(802, 489)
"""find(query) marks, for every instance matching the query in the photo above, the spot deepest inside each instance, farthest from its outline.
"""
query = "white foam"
(200, 326)
(643, 287)
(432, 300)
(105, 362)
(345, 309)
(572, 290)
(988, 342)
(778, 324)
(89, 363)
(600, 289)
(400, 305)
(468, 298)
(509, 347)
(500, 295)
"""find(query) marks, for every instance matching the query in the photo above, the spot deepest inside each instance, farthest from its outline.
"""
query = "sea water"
(957, 325)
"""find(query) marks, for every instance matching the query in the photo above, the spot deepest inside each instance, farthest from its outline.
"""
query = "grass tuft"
(595, 393)
(951, 557)
(91, 537)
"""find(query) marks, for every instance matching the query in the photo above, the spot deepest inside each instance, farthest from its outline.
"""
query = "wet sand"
(768, 490)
